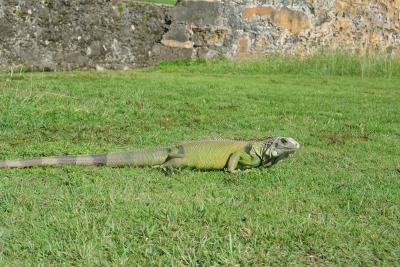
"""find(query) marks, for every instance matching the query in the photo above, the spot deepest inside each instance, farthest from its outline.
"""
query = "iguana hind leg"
(172, 164)
(175, 163)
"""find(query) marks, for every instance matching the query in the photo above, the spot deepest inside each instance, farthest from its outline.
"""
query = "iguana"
(203, 155)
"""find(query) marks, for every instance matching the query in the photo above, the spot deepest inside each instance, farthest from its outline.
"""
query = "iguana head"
(276, 148)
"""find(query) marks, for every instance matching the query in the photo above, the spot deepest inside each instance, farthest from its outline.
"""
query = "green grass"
(337, 64)
(336, 202)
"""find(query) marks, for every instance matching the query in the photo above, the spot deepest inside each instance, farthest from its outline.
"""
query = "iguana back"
(212, 154)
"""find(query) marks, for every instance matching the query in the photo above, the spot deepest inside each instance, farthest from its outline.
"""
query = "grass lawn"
(335, 202)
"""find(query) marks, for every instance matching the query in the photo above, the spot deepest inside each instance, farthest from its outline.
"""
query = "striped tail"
(136, 158)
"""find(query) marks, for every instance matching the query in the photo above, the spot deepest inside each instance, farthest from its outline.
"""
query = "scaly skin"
(203, 155)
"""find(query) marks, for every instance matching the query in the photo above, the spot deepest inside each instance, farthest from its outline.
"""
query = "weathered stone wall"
(245, 28)
(87, 34)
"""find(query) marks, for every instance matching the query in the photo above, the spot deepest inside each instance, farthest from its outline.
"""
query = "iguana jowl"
(203, 155)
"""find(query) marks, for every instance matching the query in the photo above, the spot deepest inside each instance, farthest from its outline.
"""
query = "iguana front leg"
(243, 159)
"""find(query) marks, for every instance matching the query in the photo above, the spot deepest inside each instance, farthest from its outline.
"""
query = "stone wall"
(88, 34)
(85, 34)
(246, 28)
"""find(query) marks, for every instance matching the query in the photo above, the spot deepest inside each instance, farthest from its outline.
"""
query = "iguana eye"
(284, 141)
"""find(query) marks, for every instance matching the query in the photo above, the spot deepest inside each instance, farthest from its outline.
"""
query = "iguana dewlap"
(203, 155)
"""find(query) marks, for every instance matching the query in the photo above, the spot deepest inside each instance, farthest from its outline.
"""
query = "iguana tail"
(136, 158)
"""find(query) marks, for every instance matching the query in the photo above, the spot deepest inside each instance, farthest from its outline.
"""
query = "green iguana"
(203, 155)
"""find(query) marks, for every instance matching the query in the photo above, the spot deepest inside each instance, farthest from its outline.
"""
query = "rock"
(249, 28)
(79, 34)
